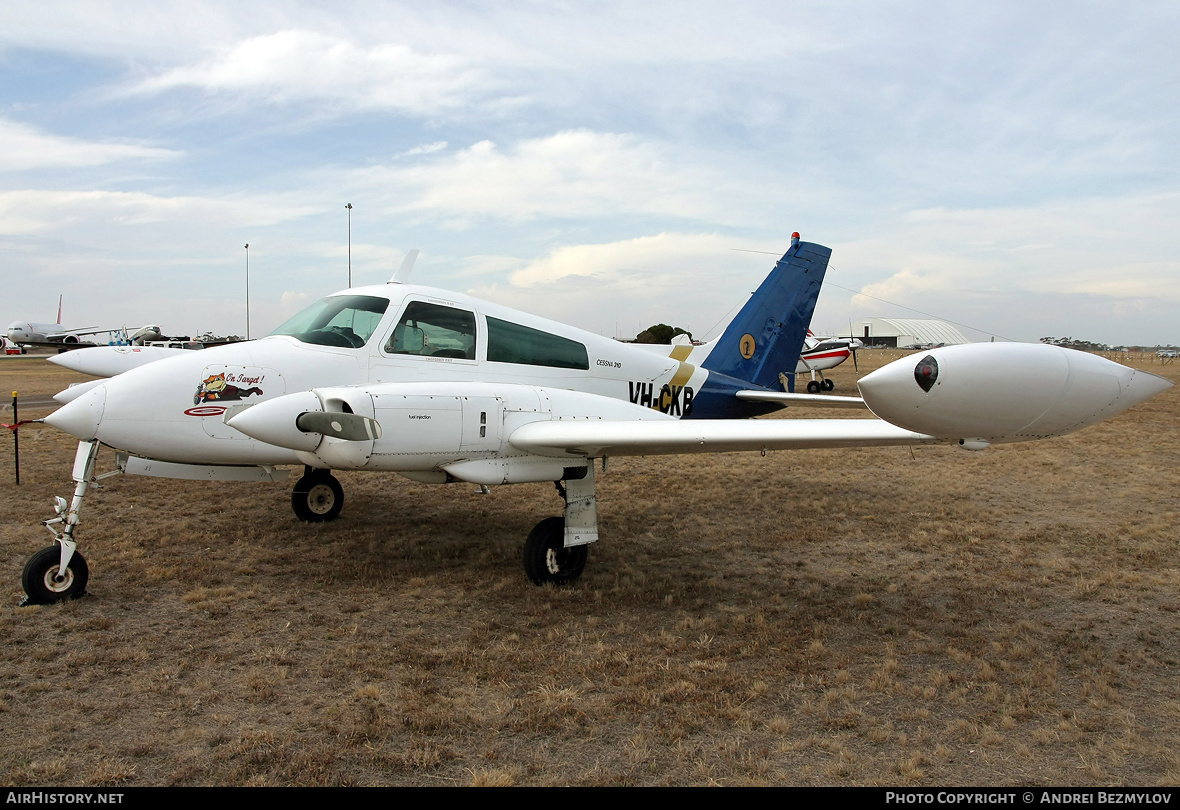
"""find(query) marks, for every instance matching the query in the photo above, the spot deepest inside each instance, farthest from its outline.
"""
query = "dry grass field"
(866, 617)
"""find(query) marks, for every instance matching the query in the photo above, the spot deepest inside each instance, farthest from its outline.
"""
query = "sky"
(1010, 167)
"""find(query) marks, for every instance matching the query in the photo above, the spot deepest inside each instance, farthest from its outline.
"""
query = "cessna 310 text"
(442, 387)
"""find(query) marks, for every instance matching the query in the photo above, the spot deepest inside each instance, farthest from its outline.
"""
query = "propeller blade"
(402, 275)
(852, 345)
(347, 426)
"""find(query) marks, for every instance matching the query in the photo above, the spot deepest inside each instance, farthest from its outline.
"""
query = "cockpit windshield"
(339, 320)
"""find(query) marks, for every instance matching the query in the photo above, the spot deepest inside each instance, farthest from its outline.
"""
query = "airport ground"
(862, 617)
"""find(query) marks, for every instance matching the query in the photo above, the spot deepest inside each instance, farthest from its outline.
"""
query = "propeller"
(402, 274)
(852, 341)
(347, 426)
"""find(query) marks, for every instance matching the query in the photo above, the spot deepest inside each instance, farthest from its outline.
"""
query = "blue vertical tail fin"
(766, 336)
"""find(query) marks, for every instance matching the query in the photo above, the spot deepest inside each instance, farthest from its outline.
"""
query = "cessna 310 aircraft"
(443, 387)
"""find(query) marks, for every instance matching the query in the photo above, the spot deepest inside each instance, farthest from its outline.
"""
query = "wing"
(595, 438)
(58, 337)
(817, 400)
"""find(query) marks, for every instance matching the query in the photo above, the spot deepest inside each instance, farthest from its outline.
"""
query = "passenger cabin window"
(512, 343)
(347, 321)
(432, 330)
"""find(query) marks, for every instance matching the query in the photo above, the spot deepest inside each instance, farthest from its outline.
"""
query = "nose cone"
(81, 417)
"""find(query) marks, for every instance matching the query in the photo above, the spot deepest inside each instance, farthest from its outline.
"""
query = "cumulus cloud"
(574, 173)
(690, 279)
(292, 302)
(23, 147)
(36, 211)
(424, 149)
(297, 65)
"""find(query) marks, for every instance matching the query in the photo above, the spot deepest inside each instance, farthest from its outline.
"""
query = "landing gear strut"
(317, 497)
(814, 386)
(59, 572)
(556, 548)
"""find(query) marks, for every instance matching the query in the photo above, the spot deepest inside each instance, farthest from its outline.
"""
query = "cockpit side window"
(347, 321)
(512, 343)
(434, 330)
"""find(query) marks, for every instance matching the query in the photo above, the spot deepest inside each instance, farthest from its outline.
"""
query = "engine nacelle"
(1004, 392)
(459, 428)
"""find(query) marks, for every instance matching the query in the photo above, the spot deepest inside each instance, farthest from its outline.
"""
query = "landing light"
(926, 373)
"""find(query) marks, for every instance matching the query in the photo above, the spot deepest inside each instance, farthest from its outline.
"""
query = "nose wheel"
(45, 582)
(317, 497)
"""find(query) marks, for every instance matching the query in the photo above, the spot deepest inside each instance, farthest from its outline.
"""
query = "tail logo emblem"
(747, 346)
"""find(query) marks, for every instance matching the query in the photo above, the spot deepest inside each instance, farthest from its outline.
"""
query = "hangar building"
(904, 332)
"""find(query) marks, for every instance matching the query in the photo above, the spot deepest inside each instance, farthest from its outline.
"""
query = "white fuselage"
(35, 334)
(22, 332)
(174, 409)
(821, 354)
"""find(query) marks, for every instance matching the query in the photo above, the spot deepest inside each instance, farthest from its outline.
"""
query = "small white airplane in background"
(28, 333)
(821, 354)
(443, 387)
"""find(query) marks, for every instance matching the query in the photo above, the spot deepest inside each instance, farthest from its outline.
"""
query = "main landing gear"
(58, 572)
(317, 497)
(556, 548)
(814, 386)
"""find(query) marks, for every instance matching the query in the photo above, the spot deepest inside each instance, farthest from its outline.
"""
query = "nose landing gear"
(44, 581)
(59, 572)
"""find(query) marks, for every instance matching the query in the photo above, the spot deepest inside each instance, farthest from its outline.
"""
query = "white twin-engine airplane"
(442, 387)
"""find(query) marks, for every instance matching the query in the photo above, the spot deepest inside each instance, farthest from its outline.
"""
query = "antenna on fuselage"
(407, 266)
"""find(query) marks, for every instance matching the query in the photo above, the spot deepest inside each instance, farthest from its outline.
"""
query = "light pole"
(349, 207)
(247, 291)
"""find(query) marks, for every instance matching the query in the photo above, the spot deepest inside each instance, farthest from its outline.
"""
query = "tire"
(40, 577)
(317, 498)
(546, 559)
(813, 387)
(828, 385)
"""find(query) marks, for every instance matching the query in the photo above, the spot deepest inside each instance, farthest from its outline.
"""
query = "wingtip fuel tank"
(1004, 392)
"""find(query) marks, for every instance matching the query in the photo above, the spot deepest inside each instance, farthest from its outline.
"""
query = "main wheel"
(317, 497)
(43, 582)
(828, 385)
(813, 387)
(546, 559)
